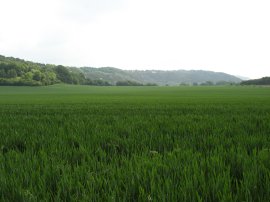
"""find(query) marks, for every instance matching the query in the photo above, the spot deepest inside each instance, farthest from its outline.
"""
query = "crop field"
(83, 143)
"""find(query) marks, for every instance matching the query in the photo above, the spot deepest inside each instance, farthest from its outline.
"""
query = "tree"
(63, 74)
(28, 76)
(11, 73)
(2, 73)
(128, 83)
(49, 78)
(37, 75)
(262, 81)
(207, 83)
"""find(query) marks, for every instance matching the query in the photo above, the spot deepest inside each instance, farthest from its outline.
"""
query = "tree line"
(17, 72)
(261, 81)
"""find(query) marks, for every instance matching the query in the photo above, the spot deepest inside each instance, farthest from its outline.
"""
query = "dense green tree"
(28, 76)
(128, 83)
(37, 75)
(151, 84)
(14, 71)
(2, 73)
(224, 83)
(49, 78)
(262, 81)
(63, 74)
(11, 73)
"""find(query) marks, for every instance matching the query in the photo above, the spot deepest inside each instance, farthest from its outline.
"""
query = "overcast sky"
(231, 36)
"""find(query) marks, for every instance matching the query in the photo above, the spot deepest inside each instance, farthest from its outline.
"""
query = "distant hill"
(262, 81)
(159, 77)
(14, 71)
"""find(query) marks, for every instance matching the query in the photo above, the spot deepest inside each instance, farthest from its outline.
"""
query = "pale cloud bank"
(230, 36)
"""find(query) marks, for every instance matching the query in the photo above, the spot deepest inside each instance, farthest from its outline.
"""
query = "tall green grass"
(79, 143)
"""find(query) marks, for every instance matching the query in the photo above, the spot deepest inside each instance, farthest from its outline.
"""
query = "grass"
(81, 143)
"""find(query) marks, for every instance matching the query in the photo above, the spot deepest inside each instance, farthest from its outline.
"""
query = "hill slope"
(261, 81)
(15, 71)
(157, 76)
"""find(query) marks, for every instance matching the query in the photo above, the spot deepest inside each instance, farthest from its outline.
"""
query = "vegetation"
(133, 83)
(175, 78)
(134, 144)
(128, 83)
(19, 72)
(15, 71)
(262, 81)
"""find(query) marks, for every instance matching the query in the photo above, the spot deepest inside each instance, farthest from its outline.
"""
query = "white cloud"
(230, 36)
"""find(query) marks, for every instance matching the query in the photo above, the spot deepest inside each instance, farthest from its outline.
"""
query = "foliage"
(97, 82)
(17, 72)
(207, 83)
(157, 77)
(262, 81)
(93, 143)
(128, 83)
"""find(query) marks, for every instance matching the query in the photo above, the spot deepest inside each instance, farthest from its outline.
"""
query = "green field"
(82, 143)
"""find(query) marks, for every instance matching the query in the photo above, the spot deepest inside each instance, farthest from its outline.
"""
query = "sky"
(231, 36)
